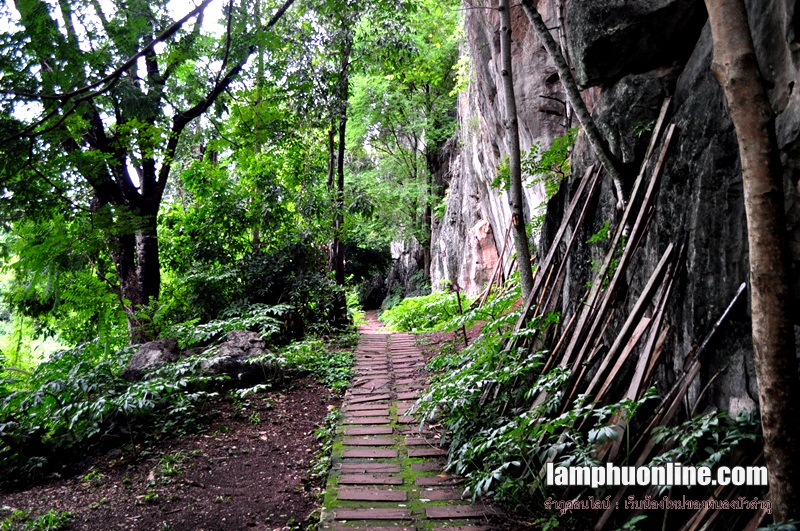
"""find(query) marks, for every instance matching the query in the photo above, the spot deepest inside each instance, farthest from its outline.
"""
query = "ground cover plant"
(79, 403)
(233, 472)
(425, 313)
(504, 417)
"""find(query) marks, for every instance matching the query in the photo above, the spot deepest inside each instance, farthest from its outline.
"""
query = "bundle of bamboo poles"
(611, 369)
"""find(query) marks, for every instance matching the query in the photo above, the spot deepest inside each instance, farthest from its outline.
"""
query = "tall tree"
(353, 30)
(735, 66)
(403, 105)
(514, 159)
(115, 87)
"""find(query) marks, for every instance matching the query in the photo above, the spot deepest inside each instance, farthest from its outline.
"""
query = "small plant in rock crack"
(613, 264)
(551, 166)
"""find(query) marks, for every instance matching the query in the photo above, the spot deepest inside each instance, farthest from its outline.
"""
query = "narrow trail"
(387, 475)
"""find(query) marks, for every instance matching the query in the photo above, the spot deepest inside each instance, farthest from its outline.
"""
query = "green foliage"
(59, 280)
(325, 434)
(172, 464)
(601, 235)
(401, 115)
(551, 166)
(547, 168)
(52, 520)
(332, 369)
(423, 314)
(630, 525)
(710, 440)
(440, 206)
(78, 401)
(504, 415)
(255, 317)
(642, 127)
(354, 311)
(502, 181)
(290, 278)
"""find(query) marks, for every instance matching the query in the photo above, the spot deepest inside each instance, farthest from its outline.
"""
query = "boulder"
(230, 356)
(151, 355)
(611, 38)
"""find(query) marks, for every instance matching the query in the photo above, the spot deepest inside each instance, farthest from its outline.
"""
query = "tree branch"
(113, 76)
(183, 118)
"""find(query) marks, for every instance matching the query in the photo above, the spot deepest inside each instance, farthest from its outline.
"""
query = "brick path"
(386, 474)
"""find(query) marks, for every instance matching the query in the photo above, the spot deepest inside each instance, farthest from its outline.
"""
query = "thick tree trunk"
(148, 266)
(576, 101)
(736, 68)
(338, 255)
(514, 165)
(136, 260)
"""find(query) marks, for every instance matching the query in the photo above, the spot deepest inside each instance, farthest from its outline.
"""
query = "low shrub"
(77, 402)
(423, 314)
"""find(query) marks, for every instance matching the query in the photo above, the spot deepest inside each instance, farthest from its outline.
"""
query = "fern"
(261, 318)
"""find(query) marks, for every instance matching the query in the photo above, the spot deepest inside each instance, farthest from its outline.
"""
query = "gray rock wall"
(633, 54)
(471, 233)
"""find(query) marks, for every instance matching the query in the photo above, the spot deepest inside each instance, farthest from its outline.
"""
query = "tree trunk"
(148, 267)
(576, 102)
(736, 68)
(428, 221)
(340, 303)
(338, 256)
(514, 167)
(136, 261)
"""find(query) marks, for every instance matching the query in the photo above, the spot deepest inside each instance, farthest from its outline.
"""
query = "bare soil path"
(387, 474)
(249, 469)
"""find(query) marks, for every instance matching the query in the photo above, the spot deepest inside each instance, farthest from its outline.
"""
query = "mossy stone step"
(372, 494)
(370, 479)
(372, 514)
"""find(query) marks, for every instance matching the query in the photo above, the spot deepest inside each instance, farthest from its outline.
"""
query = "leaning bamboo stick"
(642, 374)
(545, 264)
(627, 328)
(576, 377)
(634, 391)
(577, 340)
(681, 388)
(562, 267)
(624, 260)
(658, 354)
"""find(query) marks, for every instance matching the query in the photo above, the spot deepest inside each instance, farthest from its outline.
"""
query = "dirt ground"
(248, 469)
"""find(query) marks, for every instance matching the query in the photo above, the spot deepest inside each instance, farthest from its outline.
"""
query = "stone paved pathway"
(386, 474)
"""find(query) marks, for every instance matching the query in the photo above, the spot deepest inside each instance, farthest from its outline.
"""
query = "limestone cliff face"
(630, 56)
(469, 238)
